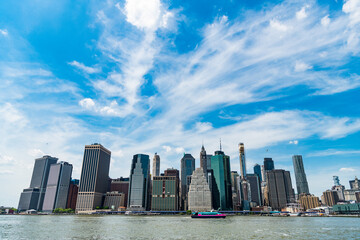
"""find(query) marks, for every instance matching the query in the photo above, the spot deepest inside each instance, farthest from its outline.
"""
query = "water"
(177, 227)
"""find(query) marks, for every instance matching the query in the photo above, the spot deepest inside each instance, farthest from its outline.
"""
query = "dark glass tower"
(33, 197)
(221, 190)
(268, 164)
(187, 169)
(257, 171)
(300, 176)
(279, 188)
(57, 186)
(94, 180)
(139, 184)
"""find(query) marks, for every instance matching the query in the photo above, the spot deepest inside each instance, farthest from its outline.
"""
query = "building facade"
(73, 193)
(35, 194)
(199, 192)
(139, 185)
(242, 160)
(280, 191)
(203, 159)
(221, 189)
(257, 171)
(300, 176)
(94, 179)
(268, 164)
(57, 189)
(308, 201)
(120, 185)
(255, 188)
(114, 200)
(165, 194)
(187, 168)
(354, 184)
(156, 165)
(330, 198)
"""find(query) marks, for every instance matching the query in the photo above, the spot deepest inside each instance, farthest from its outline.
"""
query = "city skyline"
(157, 76)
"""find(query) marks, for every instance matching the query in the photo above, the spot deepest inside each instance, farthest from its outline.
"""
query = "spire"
(220, 145)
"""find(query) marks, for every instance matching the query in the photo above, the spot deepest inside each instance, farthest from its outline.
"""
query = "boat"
(208, 215)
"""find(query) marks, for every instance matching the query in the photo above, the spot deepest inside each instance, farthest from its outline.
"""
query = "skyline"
(152, 76)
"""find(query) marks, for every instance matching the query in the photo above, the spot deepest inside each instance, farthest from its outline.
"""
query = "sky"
(165, 76)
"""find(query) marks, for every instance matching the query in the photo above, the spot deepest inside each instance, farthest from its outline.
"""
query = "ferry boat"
(208, 215)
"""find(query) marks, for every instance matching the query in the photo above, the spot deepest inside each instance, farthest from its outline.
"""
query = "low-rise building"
(114, 200)
(308, 201)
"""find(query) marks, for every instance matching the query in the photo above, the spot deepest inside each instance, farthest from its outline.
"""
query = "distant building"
(235, 190)
(73, 193)
(165, 194)
(94, 179)
(308, 201)
(203, 159)
(57, 189)
(330, 198)
(350, 195)
(187, 168)
(199, 192)
(300, 176)
(268, 164)
(114, 200)
(257, 171)
(280, 189)
(221, 190)
(357, 196)
(255, 188)
(120, 185)
(156, 165)
(33, 197)
(208, 161)
(355, 184)
(139, 186)
(242, 161)
(340, 191)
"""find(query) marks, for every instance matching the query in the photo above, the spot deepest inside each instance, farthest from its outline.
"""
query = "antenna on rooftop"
(220, 145)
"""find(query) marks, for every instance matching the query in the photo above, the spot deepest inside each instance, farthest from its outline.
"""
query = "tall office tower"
(57, 189)
(242, 161)
(208, 161)
(354, 184)
(199, 192)
(268, 164)
(165, 194)
(94, 179)
(221, 190)
(300, 176)
(33, 197)
(73, 193)
(279, 188)
(255, 188)
(330, 198)
(235, 190)
(203, 159)
(187, 168)
(139, 186)
(257, 171)
(172, 172)
(120, 185)
(156, 165)
(263, 175)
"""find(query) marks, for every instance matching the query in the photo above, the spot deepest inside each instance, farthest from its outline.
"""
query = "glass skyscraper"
(300, 176)
(221, 189)
(139, 184)
(94, 180)
(187, 169)
(242, 161)
(268, 164)
(257, 171)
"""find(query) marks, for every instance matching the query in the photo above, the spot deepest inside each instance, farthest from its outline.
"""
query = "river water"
(177, 227)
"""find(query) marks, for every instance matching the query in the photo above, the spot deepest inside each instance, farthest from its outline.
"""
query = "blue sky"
(146, 76)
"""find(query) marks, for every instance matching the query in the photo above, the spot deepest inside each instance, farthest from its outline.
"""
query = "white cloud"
(331, 152)
(278, 25)
(295, 142)
(347, 169)
(167, 148)
(203, 126)
(82, 67)
(301, 14)
(36, 153)
(4, 32)
(352, 7)
(301, 66)
(325, 21)
(87, 103)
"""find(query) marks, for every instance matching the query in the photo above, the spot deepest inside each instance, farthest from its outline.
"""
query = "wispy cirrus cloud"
(86, 69)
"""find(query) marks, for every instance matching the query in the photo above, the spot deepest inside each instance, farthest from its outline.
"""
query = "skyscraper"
(280, 189)
(73, 193)
(139, 185)
(221, 190)
(199, 192)
(235, 190)
(268, 164)
(33, 197)
(255, 188)
(242, 161)
(57, 188)
(203, 159)
(187, 168)
(257, 171)
(300, 176)
(94, 179)
(156, 166)
(165, 194)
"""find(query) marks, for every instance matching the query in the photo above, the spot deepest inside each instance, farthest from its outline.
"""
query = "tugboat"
(208, 215)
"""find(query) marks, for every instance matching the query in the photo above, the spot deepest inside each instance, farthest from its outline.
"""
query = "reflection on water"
(177, 227)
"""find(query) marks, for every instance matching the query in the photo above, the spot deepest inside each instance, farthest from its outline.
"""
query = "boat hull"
(208, 216)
